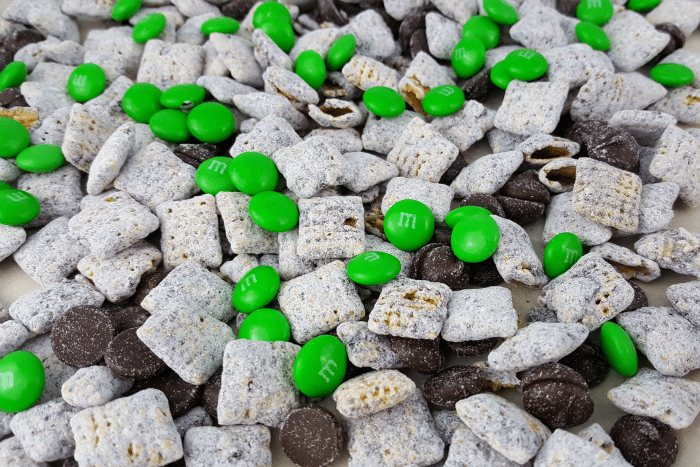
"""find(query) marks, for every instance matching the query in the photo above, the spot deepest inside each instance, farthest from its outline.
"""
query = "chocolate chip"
(421, 355)
(484, 201)
(472, 348)
(329, 12)
(415, 271)
(131, 317)
(479, 86)
(149, 281)
(568, 7)
(589, 361)
(195, 154)
(542, 314)
(442, 235)
(521, 211)
(210, 393)
(453, 170)
(410, 23)
(178, 463)
(5, 58)
(640, 298)
(605, 143)
(312, 437)
(484, 273)
(181, 395)
(418, 43)
(80, 337)
(237, 9)
(449, 386)
(527, 186)
(644, 441)
(441, 265)
(129, 357)
(70, 463)
(21, 37)
(677, 41)
(557, 395)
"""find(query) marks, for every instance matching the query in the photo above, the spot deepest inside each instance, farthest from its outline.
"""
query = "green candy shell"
(672, 75)
(443, 100)
(525, 64)
(212, 175)
(211, 122)
(170, 125)
(223, 25)
(595, 11)
(562, 252)
(500, 11)
(341, 52)
(409, 225)
(484, 28)
(14, 137)
(265, 324)
(618, 349)
(17, 207)
(125, 9)
(499, 75)
(273, 12)
(280, 33)
(320, 366)
(22, 379)
(593, 35)
(141, 101)
(458, 214)
(253, 172)
(5, 186)
(149, 27)
(41, 158)
(468, 56)
(256, 289)
(384, 102)
(311, 68)
(373, 268)
(13, 75)
(475, 238)
(642, 6)
(183, 96)
(273, 211)
(86, 82)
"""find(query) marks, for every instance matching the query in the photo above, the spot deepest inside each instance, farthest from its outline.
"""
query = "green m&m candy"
(341, 52)
(212, 175)
(384, 101)
(5, 186)
(222, 24)
(595, 11)
(256, 289)
(41, 158)
(409, 225)
(86, 82)
(14, 137)
(618, 349)
(484, 28)
(265, 324)
(141, 101)
(22, 380)
(17, 207)
(211, 122)
(500, 76)
(642, 6)
(525, 64)
(458, 214)
(562, 252)
(320, 366)
(273, 211)
(501, 11)
(149, 27)
(271, 11)
(593, 35)
(672, 75)
(253, 172)
(468, 56)
(170, 125)
(125, 9)
(475, 238)
(373, 268)
(281, 34)
(13, 75)
(311, 68)
(182, 96)
(443, 100)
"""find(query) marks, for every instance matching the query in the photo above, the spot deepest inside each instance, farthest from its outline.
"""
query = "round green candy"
(211, 122)
(125, 9)
(14, 137)
(41, 158)
(409, 225)
(501, 11)
(384, 101)
(273, 211)
(475, 238)
(212, 175)
(320, 366)
(222, 24)
(149, 27)
(642, 6)
(22, 380)
(595, 11)
(86, 82)
(253, 172)
(593, 35)
(271, 11)
(17, 207)
(182, 96)
(468, 57)
(672, 75)
(499, 75)
(141, 101)
(443, 100)
(484, 28)
(311, 68)
(265, 324)
(373, 268)
(341, 52)
(170, 125)
(281, 34)
(618, 349)
(5, 186)
(256, 289)
(561, 253)
(458, 214)
(525, 64)
(13, 75)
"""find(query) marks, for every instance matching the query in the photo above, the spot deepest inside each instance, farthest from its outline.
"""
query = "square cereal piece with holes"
(319, 301)
(434, 195)
(93, 386)
(367, 349)
(190, 232)
(531, 108)
(244, 235)
(606, 194)
(261, 104)
(540, 29)
(331, 227)
(102, 438)
(44, 430)
(114, 50)
(364, 170)
(422, 152)
(381, 134)
(575, 63)
(235, 446)
(677, 159)
(633, 40)
(466, 126)
(59, 193)
(562, 218)
(267, 136)
(166, 64)
(487, 174)
(410, 308)
(682, 102)
(480, 314)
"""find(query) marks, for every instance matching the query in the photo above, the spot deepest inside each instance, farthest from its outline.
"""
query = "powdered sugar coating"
(675, 249)
(628, 263)
(515, 257)
(94, 386)
(685, 299)
(372, 392)
(434, 195)
(476, 314)
(366, 348)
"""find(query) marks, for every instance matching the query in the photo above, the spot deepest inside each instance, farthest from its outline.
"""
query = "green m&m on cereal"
(125, 9)
(443, 100)
(271, 11)
(373, 268)
(212, 175)
(595, 11)
(341, 52)
(475, 238)
(13, 75)
(5, 186)
(500, 76)
(484, 28)
(141, 101)
(593, 35)
(149, 27)
(170, 125)
(311, 68)
(501, 11)
(468, 56)
(265, 324)
(211, 122)
(618, 349)
(281, 34)
(320, 366)
(17, 207)
(22, 380)
(562, 252)
(409, 225)
(222, 24)
(14, 137)
(672, 75)
(384, 101)
(273, 211)
(86, 82)
(253, 172)
(526, 64)
(456, 215)
(256, 289)
(642, 6)
(41, 158)
(182, 96)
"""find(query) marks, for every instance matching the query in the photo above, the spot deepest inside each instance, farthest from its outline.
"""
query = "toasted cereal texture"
(466, 126)
(330, 227)
(58, 192)
(627, 262)
(542, 149)
(382, 134)
(674, 249)
(668, 340)
(365, 349)
(93, 386)
(245, 446)
(685, 299)
(12, 335)
(166, 64)
(690, 59)
(495, 380)
(336, 113)
(111, 157)
(374, 38)
(575, 63)
(196, 417)
(681, 103)
(442, 34)
(685, 14)
(372, 392)
(507, 428)
(56, 371)
(476, 314)
(469, 449)
(319, 301)
(515, 256)
(673, 401)
(568, 450)
(540, 29)
(595, 434)
(562, 218)
(365, 72)
(633, 40)
(44, 430)
(487, 174)
(267, 53)
(257, 385)
(284, 82)
(645, 126)
(677, 160)
(401, 435)
(261, 104)
(267, 136)
(531, 108)
(310, 166)
(436, 196)
(244, 235)
(101, 439)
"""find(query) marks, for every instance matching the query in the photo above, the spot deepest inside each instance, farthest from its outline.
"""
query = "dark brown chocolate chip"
(329, 12)
(238, 9)
(442, 235)
(195, 154)
(149, 281)
(645, 441)
(677, 41)
(21, 37)
(416, 269)
(312, 437)
(542, 314)
(181, 395)
(70, 463)
(441, 265)
(80, 337)
(640, 298)
(111, 309)
(484, 201)
(129, 357)
(568, 7)
(178, 463)
(473, 348)
(210, 394)
(557, 395)
(589, 361)
(453, 170)
(12, 97)
(418, 43)
(521, 211)
(5, 58)
(131, 317)
(479, 86)
(527, 186)
(421, 355)
(484, 274)
(605, 143)
(449, 386)
(410, 23)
